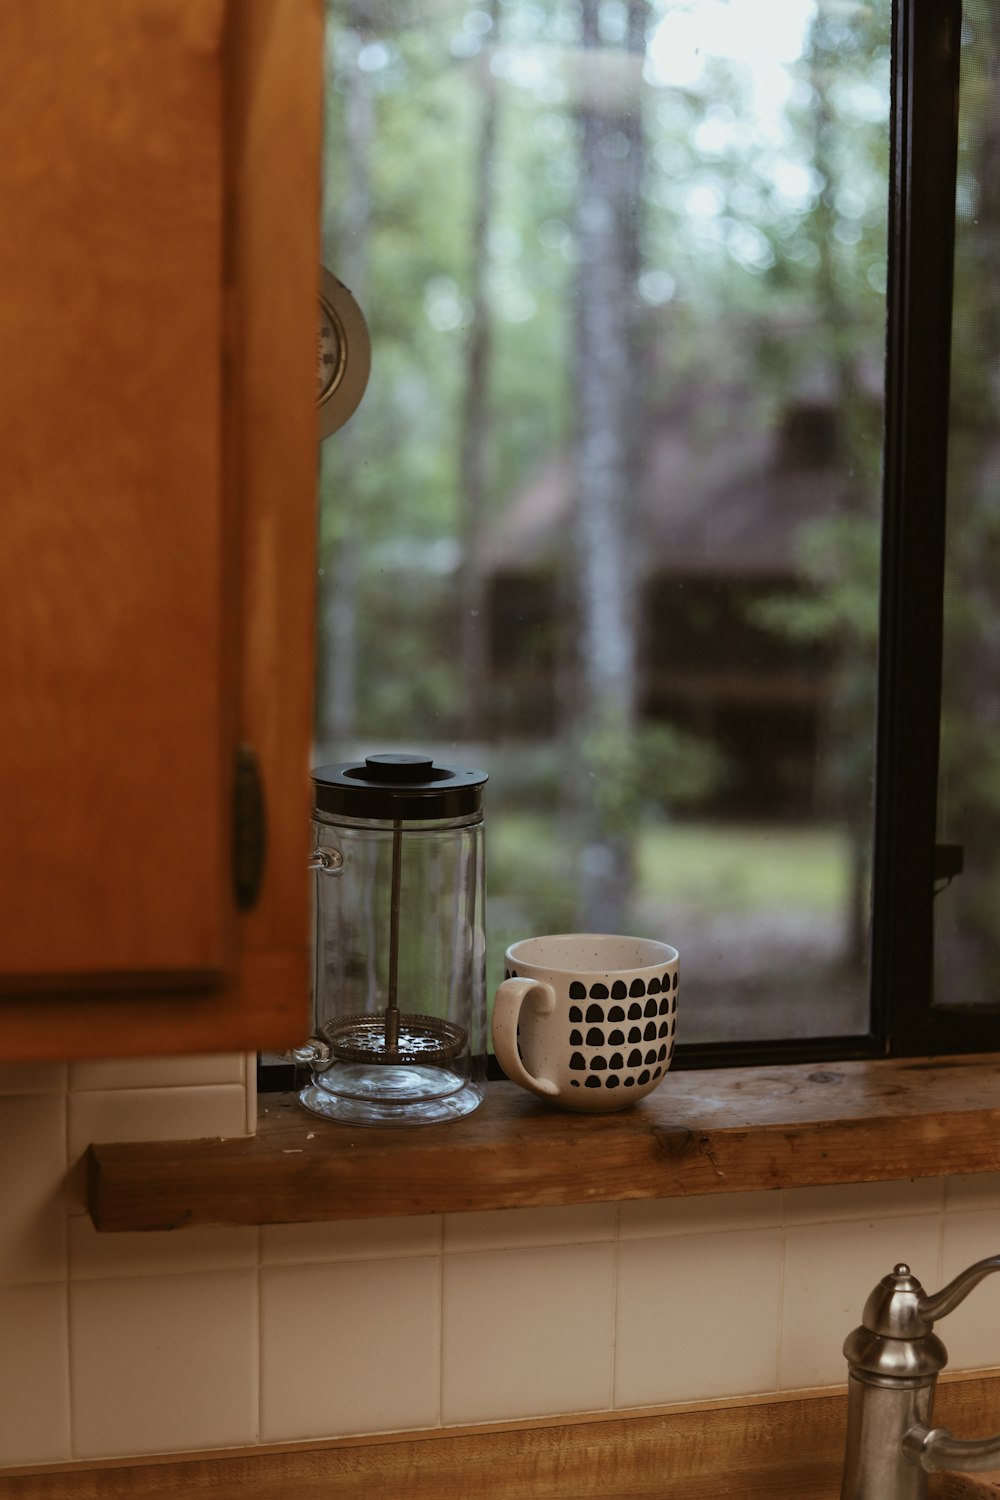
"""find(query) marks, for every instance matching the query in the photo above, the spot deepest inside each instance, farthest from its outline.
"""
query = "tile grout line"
(70, 1402)
(615, 1290)
(440, 1341)
(258, 1278)
(780, 1343)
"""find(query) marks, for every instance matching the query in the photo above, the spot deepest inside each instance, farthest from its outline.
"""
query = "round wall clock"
(343, 354)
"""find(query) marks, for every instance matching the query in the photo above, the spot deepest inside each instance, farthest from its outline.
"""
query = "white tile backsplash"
(527, 1332)
(158, 1072)
(34, 1375)
(701, 1214)
(122, 1345)
(697, 1316)
(829, 1270)
(977, 1190)
(349, 1348)
(166, 1114)
(516, 1228)
(164, 1364)
(32, 1188)
(350, 1239)
(864, 1200)
(94, 1256)
(972, 1332)
(33, 1078)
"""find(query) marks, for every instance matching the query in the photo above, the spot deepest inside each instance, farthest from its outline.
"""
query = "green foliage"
(655, 766)
(839, 558)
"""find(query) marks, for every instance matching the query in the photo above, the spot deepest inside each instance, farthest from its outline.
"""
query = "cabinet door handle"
(249, 829)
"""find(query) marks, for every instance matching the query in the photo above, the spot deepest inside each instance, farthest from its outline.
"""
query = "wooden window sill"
(730, 1130)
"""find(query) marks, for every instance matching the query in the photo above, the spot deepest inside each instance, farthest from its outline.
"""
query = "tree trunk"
(852, 716)
(606, 472)
(472, 595)
(347, 239)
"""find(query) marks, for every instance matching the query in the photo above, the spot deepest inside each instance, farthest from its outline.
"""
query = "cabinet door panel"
(114, 760)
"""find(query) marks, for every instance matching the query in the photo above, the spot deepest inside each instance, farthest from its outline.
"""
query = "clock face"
(330, 351)
(343, 354)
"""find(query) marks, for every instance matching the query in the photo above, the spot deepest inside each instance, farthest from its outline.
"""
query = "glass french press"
(399, 993)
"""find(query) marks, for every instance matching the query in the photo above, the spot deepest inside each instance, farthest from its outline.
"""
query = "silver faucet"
(893, 1364)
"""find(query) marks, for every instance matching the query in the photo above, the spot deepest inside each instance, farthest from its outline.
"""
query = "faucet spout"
(949, 1297)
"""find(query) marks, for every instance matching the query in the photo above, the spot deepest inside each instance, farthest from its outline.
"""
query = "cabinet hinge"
(249, 829)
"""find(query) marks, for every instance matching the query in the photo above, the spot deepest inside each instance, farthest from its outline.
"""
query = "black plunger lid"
(396, 787)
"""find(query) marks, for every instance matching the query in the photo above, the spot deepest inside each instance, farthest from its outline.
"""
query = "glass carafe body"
(399, 991)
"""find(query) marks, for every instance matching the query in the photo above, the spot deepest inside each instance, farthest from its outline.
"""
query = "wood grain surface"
(158, 429)
(729, 1130)
(111, 437)
(781, 1448)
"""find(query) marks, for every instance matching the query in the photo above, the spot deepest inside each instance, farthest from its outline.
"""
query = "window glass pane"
(607, 519)
(967, 939)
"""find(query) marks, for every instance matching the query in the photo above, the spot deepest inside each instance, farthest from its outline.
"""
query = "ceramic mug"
(587, 1019)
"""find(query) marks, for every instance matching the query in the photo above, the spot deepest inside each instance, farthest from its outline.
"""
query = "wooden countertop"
(779, 1447)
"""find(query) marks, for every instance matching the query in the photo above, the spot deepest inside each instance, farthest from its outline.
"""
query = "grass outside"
(760, 913)
(727, 868)
(744, 869)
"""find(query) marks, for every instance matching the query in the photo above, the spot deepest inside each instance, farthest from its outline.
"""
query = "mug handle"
(512, 994)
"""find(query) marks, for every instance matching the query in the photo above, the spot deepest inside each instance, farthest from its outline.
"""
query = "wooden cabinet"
(159, 185)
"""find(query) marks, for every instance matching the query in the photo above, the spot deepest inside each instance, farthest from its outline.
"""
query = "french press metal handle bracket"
(893, 1360)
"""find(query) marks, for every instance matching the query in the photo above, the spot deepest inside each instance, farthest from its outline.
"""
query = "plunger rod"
(392, 1009)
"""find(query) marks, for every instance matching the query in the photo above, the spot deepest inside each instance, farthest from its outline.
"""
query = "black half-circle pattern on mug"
(676, 976)
(618, 990)
(673, 1004)
(608, 1067)
(664, 1005)
(577, 991)
(637, 988)
(598, 992)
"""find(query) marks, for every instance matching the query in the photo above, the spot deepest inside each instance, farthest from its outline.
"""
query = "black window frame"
(923, 160)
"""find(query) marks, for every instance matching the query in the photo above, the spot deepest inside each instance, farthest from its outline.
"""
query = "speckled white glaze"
(587, 1020)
